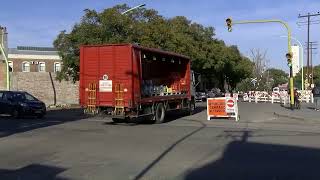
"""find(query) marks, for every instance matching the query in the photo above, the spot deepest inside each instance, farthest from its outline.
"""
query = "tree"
(277, 76)
(316, 76)
(260, 61)
(215, 61)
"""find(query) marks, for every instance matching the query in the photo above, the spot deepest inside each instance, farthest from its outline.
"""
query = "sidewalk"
(267, 112)
(306, 113)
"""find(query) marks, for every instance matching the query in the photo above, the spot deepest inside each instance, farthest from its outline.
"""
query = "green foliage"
(266, 81)
(211, 57)
(278, 76)
(316, 76)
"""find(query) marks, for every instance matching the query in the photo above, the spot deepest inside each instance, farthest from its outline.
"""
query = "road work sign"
(222, 107)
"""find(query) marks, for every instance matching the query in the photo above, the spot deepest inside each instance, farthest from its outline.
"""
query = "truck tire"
(160, 113)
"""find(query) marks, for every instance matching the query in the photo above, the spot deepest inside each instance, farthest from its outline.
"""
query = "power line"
(311, 48)
(304, 23)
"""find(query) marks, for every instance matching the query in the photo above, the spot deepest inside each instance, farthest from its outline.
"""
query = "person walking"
(296, 99)
(316, 97)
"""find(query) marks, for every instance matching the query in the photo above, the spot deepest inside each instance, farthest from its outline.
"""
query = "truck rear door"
(108, 67)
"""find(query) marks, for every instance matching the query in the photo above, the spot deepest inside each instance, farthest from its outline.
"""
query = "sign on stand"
(223, 107)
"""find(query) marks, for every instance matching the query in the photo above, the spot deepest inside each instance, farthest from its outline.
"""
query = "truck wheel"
(160, 113)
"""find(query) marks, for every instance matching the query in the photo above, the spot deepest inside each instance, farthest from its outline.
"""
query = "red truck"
(127, 81)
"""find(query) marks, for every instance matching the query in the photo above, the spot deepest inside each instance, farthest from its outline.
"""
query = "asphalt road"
(67, 145)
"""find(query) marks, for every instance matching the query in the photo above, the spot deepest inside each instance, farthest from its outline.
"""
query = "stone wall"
(44, 86)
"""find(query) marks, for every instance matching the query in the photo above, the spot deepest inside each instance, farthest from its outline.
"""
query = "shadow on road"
(34, 172)
(170, 116)
(252, 161)
(311, 107)
(9, 126)
(162, 155)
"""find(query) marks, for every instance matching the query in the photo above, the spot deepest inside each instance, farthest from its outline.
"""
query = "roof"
(30, 50)
(33, 48)
(13, 91)
(143, 48)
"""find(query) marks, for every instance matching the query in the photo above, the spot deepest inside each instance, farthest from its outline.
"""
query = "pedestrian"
(316, 97)
(296, 99)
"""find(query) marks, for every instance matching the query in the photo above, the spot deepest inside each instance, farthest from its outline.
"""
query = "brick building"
(33, 69)
(34, 59)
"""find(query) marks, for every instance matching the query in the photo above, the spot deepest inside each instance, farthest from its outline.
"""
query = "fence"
(283, 98)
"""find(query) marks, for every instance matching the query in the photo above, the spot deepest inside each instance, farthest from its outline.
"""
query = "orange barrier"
(222, 107)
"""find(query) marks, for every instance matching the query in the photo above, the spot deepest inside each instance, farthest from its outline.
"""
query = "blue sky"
(37, 22)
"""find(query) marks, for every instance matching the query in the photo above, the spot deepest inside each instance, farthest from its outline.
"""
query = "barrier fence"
(283, 98)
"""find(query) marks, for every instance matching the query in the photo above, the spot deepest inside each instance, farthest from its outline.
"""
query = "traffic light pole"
(230, 23)
(4, 55)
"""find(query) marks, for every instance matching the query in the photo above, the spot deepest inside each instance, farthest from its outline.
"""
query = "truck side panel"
(136, 77)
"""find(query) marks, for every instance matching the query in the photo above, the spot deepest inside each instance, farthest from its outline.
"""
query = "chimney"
(4, 40)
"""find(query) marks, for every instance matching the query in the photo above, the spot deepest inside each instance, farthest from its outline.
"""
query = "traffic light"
(289, 59)
(229, 24)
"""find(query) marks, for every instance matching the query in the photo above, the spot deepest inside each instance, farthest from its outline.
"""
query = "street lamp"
(4, 55)
(136, 7)
(301, 59)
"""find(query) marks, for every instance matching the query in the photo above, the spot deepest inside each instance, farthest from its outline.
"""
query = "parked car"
(215, 92)
(201, 96)
(20, 103)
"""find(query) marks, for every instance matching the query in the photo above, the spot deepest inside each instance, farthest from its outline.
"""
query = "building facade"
(295, 59)
(34, 59)
(33, 69)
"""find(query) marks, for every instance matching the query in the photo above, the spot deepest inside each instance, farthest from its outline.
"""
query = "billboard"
(295, 60)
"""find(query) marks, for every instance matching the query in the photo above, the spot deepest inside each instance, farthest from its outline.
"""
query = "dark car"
(19, 103)
(201, 96)
(215, 92)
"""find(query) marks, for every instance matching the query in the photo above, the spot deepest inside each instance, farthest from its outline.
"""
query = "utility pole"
(311, 48)
(308, 37)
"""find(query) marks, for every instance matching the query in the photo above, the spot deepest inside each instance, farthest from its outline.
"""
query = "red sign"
(230, 103)
(216, 107)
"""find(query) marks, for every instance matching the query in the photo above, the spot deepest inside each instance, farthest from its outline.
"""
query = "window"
(1, 94)
(19, 97)
(57, 67)
(25, 67)
(29, 97)
(7, 96)
(10, 63)
(42, 67)
(23, 96)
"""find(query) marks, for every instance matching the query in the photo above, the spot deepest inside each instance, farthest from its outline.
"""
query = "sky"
(37, 22)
